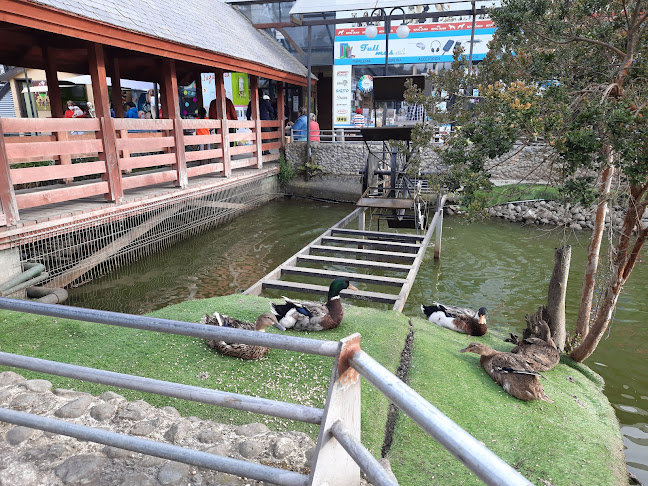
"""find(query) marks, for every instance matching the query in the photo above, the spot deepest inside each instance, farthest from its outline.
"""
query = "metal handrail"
(477, 457)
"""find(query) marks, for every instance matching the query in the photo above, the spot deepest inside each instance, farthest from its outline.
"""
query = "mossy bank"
(574, 441)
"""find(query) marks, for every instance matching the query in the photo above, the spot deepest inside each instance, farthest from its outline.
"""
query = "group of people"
(146, 109)
(300, 127)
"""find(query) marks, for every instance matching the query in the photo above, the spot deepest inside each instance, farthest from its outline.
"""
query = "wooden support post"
(97, 64)
(437, 240)
(53, 90)
(199, 91)
(172, 109)
(115, 90)
(221, 111)
(331, 463)
(281, 114)
(254, 98)
(7, 195)
(56, 102)
(361, 222)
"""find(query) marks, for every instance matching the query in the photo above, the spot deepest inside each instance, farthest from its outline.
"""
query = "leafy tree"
(571, 75)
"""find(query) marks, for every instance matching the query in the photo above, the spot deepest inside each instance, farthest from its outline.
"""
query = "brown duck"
(240, 350)
(540, 352)
(510, 371)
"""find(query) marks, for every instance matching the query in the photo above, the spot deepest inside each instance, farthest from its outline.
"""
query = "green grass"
(576, 440)
(517, 192)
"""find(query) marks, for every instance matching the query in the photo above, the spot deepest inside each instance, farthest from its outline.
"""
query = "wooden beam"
(392, 267)
(373, 254)
(7, 194)
(221, 110)
(172, 108)
(115, 90)
(53, 90)
(332, 274)
(254, 99)
(383, 245)
(291, 41)
(97, 65)
(281, 113)
(323, 290)
(378, 235)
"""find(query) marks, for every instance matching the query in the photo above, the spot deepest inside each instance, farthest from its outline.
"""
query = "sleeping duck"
(239, 350)
(456, 318)
(510, 371)
(541, 351)
(313, 316)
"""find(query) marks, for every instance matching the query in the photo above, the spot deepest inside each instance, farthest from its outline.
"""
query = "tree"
(571, 75)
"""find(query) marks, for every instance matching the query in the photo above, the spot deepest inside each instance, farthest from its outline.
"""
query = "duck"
(240, 350)
(541, 351)
(313, 316)
(510, 371)
(458, 319)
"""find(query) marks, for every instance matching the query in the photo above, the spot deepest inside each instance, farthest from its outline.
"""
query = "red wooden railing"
(146, 155)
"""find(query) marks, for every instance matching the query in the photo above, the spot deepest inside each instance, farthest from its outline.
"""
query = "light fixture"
(402, 31)
(371, 31)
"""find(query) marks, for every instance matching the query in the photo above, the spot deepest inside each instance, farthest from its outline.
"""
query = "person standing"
(314, 128)
(358, 119)
(202, 115)
(299, 127)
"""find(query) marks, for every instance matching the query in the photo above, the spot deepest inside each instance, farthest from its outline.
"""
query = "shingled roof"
(204, 24)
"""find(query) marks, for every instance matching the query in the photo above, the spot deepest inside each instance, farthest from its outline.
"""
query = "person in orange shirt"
(202, 115)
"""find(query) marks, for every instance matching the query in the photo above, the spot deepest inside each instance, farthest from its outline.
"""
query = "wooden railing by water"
(49, 161)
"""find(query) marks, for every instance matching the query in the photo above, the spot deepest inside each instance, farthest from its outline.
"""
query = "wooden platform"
(377, 251)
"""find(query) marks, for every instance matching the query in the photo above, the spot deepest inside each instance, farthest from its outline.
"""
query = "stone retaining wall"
(30, 457)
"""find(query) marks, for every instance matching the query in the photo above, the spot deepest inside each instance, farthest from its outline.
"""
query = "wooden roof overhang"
(28, 29)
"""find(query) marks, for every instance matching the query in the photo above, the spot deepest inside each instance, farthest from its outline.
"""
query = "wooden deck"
(376, 251)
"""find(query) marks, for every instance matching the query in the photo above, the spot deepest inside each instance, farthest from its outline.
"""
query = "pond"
(499, 265)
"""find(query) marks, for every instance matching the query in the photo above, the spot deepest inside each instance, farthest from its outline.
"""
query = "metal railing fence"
(339, 454)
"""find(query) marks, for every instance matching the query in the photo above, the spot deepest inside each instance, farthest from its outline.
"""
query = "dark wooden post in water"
(556, 295)
(254, 99)
(221, 111)
(281, 113)
(97, 64)
(171, 106)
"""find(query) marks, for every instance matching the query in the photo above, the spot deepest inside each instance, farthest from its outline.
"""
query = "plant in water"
(286, 171)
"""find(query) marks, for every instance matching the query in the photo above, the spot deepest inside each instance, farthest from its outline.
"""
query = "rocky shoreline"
(553, 213)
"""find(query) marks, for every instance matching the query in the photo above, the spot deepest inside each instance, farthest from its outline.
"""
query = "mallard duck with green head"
(313, 316)
(240, 350)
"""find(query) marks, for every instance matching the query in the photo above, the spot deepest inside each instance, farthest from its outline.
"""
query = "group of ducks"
(516, 371)
(292, 314)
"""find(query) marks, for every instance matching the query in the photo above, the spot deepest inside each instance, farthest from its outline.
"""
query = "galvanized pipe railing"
(473, 454)
(277, 341)
(368, 463)
(176, 390)
(158, 449)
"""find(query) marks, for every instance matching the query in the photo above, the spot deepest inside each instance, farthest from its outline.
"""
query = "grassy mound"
(575, 440)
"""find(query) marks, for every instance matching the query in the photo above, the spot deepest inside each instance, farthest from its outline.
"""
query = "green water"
(498, 265)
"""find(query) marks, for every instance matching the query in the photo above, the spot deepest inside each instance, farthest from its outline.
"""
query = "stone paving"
(31, 457)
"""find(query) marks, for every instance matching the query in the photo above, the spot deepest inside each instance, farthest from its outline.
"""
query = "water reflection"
(499, 265)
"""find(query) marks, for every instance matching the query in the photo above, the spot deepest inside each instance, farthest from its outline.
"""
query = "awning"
(316, 6)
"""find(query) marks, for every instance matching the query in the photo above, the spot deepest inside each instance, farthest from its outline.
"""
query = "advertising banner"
(342, 95)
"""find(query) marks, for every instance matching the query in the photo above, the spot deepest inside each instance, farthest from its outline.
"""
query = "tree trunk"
(624, 260)
(585, 308)
(556, 295)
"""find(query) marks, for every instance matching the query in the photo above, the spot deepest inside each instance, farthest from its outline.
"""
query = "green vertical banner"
(240, 89)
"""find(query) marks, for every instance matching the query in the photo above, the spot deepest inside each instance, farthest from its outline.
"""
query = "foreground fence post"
(7, 194)
(332, 465)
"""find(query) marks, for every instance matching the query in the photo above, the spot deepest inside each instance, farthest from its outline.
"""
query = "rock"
(10, 378)
(19, 434)
(143, 429)
(103, 411)
(173, 473)
(19, 474)
(178, 432)
(75, 408)
(282, 447)
(210, 436)
(251, 449)
(81, 470)
(137, 479)
(107, 396)
(38, 386)
(250, 430)
(136, 410)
